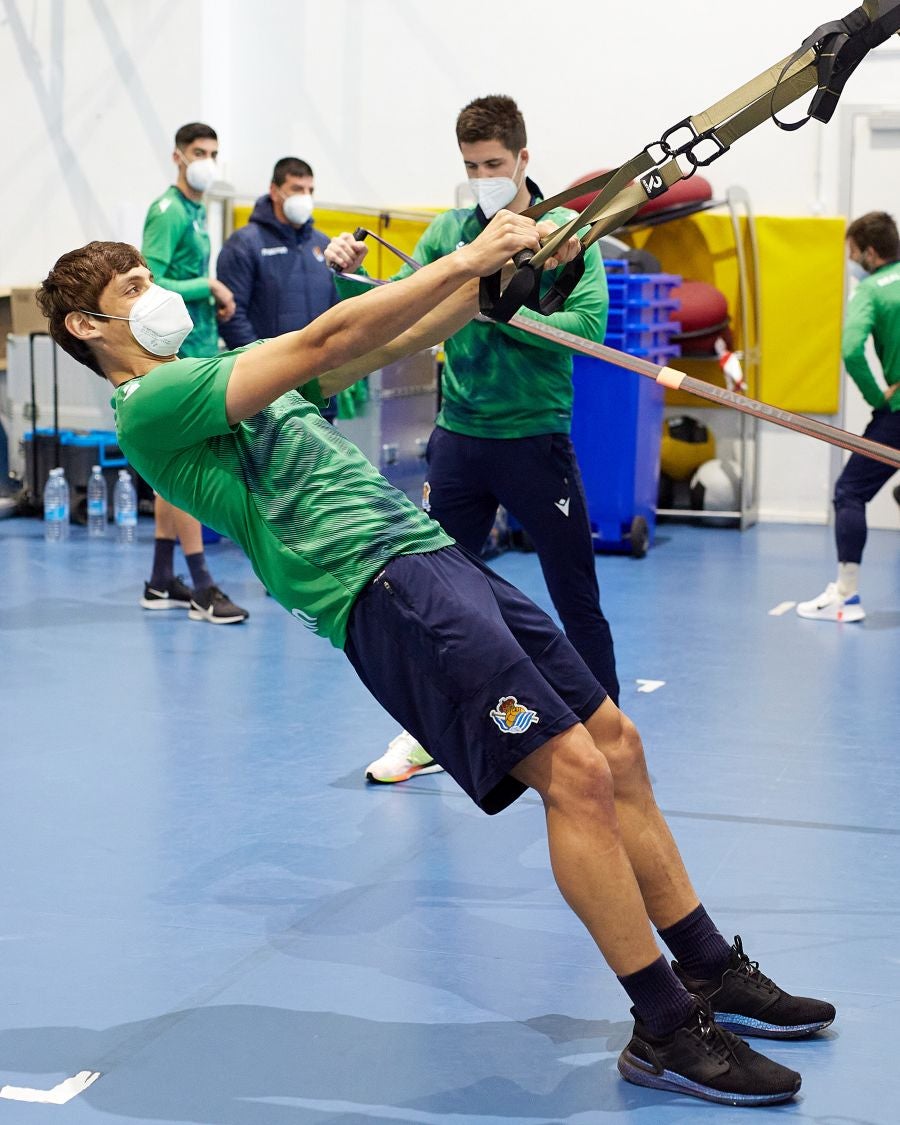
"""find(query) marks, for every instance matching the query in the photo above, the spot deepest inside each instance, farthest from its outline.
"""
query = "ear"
(274, 192)
(81, 326)
(523, 158)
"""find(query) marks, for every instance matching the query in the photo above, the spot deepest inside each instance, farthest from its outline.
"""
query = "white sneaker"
(832, 606)
(403, 758)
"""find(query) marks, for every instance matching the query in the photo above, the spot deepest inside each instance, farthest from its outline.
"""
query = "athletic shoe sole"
(635, 1070)
(846, 615)
(163, 603)
(747, 1026)
(433, 768)
(199, 615)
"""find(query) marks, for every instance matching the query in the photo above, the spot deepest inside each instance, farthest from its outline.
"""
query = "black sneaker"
(173, 595)
(210, 604)
(706, 1061)
(744, 1000)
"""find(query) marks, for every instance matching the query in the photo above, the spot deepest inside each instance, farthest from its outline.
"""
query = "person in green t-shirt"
(502, 434)
(459, 656)
(873, 246)
(175, 245)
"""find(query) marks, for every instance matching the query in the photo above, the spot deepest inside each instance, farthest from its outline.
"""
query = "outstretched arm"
(368, 323)
(431, 329)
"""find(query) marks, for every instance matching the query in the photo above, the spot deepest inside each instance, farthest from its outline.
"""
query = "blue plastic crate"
(642, 314)
(636, 287)
(643, 339)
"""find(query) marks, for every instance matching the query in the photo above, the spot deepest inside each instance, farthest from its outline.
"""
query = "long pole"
(678, 381)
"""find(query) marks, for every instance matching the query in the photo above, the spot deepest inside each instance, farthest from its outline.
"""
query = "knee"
(624, 751)
(582, 778)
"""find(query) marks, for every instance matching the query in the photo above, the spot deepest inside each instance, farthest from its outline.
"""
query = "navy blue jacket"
(277, 274)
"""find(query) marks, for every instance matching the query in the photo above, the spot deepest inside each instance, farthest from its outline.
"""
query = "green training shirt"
(314, 517)
(874, 310)
(176, 247)
(499, 382)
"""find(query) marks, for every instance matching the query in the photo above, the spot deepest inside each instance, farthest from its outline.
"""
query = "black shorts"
(469, 666)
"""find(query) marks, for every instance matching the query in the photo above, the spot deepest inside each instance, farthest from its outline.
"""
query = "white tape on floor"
(781, 608)
(650, 685)
(59, 1095)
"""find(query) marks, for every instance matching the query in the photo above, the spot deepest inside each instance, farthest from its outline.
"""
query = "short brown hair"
(878, 230)
(76, 283)
(194, 131)
(494, 118)
(290, 166)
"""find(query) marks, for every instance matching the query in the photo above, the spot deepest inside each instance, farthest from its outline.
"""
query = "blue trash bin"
(616, 430)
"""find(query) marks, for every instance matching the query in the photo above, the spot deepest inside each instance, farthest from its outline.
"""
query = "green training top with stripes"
(499, 382)
(176, 246)
(315, 518)
(874, 310)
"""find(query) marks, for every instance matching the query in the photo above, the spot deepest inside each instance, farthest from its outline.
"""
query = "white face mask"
(158, 320)
(298, 208)
(201, 174)
(493, 192)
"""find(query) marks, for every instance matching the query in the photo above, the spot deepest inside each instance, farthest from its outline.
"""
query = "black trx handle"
(523, 289)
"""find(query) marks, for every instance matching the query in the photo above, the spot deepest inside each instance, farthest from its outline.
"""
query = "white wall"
(93, 91)
(368, 92)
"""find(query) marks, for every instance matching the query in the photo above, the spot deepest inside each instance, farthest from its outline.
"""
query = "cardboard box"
(26, 316)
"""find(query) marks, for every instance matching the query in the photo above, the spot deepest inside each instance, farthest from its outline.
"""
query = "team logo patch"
(511, 717)
(317, 254)
(426, 497)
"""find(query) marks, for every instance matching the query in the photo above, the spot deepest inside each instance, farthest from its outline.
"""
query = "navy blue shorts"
(469, 666)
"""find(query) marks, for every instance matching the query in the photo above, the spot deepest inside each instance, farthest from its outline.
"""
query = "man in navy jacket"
(275, 265)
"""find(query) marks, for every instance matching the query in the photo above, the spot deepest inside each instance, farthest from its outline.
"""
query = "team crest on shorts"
(511, 717)
(426, 497)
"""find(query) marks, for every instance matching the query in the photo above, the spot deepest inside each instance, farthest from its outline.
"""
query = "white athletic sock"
(848, 579)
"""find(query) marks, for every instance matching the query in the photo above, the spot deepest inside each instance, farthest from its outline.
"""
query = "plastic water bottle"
(65, 501)
(125, 508)
(97, 502)
(53, 507)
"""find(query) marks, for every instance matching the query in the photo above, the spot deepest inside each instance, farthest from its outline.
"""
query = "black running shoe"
(210, 604)
(173, 594)
(706, 1061)
(744, 1000)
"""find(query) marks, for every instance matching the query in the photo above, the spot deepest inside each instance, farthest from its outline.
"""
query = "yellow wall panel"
(801, 275)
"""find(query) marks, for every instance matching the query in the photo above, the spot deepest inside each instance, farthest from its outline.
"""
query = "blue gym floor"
(202, 900)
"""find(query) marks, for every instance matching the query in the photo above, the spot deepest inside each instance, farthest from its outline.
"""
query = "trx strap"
(677, 380)
(824, 61)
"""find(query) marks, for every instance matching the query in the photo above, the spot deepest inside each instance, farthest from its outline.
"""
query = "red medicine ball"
(703, 316)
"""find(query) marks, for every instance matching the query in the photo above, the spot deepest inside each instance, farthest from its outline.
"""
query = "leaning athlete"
(459, 657)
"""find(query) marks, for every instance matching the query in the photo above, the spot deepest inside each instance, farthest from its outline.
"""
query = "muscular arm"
(370, 322)
(431, 329)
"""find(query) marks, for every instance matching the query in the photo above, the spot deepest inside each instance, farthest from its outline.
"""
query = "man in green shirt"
(502, 434)
(873, 245)
(176, 247)
(459, 656)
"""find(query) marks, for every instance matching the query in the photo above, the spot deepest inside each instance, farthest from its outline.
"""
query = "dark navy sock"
(200, 575)
(660, 1000)
(697, 945)
(163, 554)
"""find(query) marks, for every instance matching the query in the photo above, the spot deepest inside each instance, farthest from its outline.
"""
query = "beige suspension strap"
(823, 62)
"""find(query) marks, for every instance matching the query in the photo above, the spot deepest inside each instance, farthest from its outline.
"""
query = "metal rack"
(748, 314)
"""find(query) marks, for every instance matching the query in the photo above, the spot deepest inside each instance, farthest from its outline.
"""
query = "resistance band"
(677, 380)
